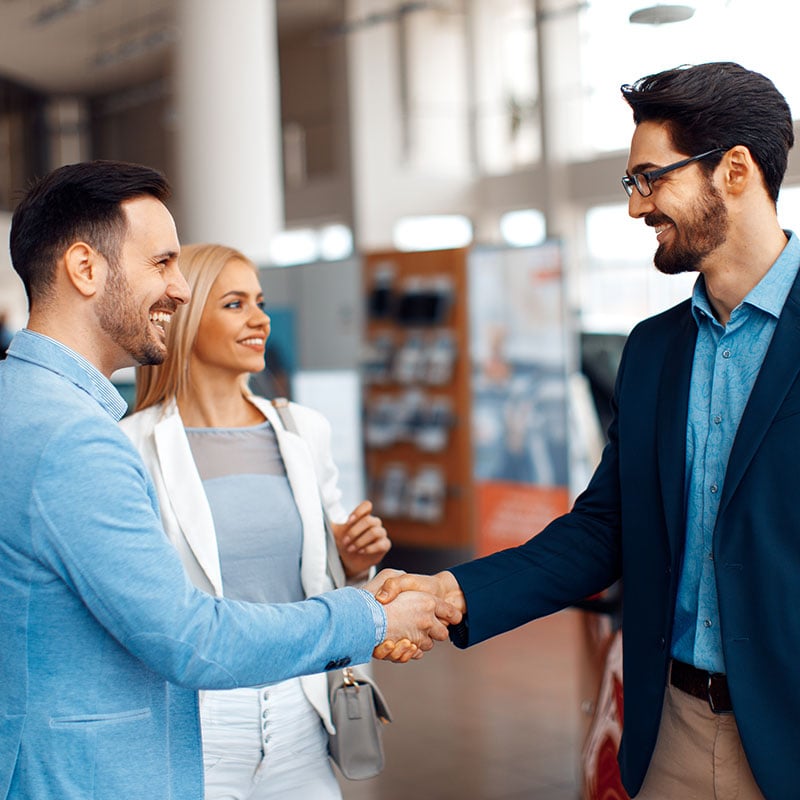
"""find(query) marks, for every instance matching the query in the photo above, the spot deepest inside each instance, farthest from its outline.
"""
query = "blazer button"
(662, 642)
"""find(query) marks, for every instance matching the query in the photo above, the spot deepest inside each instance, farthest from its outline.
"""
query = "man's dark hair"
(719, 104)
(78, 202)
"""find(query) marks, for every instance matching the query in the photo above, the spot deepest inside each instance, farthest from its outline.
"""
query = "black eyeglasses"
(643, 181)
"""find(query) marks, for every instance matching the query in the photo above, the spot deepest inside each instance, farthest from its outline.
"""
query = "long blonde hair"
(200, 264)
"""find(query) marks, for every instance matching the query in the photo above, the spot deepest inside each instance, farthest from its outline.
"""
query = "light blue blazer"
(103, 639)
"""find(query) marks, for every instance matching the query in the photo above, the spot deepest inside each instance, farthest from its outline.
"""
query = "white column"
(409, 116)
(228, 184)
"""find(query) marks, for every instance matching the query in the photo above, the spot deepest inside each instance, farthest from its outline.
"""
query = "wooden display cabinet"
(418, 298)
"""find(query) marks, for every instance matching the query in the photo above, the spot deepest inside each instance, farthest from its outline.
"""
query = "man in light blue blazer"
(104, 639)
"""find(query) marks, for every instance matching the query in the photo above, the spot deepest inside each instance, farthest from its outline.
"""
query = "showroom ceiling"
(92, 46)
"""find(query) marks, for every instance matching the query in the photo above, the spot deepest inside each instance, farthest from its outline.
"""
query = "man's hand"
(414, 621)
(388, 584)
(362, 541)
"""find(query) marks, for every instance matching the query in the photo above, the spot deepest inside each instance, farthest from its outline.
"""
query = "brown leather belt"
(709, 686)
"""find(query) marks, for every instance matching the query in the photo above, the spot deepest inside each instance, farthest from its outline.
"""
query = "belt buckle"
(710, 695)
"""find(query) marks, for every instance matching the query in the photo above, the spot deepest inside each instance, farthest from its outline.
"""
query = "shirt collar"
(51, 354)
(769, 294)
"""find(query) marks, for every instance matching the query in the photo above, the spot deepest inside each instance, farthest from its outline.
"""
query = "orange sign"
(510, 513)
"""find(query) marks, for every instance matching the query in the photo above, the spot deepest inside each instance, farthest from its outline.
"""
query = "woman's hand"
(362, 541)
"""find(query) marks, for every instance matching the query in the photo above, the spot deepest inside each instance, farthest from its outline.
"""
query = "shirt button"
(707, 623)
(726, 353)
(266, 695)
(714, 488)
(717, 419)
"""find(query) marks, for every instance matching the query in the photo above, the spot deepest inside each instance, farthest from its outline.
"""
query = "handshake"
(418, 610)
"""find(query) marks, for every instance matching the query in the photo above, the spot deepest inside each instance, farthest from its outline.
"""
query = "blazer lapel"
(187, 496)
(672, 413)
(778, 372)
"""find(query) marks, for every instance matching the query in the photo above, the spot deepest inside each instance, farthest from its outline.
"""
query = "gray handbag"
(358, 709)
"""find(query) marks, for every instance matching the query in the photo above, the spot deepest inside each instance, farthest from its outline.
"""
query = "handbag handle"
(335, 568)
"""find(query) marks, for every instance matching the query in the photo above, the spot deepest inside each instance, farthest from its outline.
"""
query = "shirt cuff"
(378, 616)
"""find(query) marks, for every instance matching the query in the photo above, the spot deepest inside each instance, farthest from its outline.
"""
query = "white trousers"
(265, 744)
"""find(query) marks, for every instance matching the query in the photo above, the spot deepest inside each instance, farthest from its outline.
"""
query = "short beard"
(698, 238)
(120, 319)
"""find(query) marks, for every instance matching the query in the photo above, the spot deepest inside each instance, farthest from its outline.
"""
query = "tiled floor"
(500, 721)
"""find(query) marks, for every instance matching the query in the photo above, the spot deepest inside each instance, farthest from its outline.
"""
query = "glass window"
(505, 85)
(433, 92)
(523, 227)
(23, 141)
(789, 208)
(618, 285)
(760, 35)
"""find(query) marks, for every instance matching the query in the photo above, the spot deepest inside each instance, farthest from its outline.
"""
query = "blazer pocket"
(100, 719)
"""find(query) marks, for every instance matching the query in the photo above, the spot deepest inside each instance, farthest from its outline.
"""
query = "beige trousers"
(698, 755)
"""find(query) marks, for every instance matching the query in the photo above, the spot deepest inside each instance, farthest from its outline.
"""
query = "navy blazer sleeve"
(575, 556)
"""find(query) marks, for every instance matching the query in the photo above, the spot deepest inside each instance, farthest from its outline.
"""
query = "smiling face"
(686, 209)
(233, 331)
(145, 287)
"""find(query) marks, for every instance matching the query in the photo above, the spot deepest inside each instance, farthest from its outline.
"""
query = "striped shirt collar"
(39, 349)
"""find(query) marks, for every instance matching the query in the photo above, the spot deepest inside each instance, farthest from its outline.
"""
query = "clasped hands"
(418, 610)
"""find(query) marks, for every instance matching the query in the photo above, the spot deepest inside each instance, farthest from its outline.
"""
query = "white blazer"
(158, 433)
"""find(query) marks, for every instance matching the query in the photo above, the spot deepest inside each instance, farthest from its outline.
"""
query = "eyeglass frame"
(629, 182)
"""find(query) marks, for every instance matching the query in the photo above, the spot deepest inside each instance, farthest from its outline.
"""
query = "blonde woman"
(240, 500)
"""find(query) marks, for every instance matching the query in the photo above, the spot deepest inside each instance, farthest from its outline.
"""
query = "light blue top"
(726, 364)
(257, 524)
(104, 639)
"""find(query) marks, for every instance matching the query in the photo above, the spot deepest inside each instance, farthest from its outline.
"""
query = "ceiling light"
(335, 242)
(432, 232)
(523, 227)
(661, 14)
(296, 246)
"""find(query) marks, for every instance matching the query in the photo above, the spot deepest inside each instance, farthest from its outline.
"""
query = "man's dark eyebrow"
(639, 168)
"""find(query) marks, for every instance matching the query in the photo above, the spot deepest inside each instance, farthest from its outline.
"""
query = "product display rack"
(416, 389)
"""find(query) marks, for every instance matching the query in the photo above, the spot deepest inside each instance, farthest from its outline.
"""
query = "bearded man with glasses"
(696, 502)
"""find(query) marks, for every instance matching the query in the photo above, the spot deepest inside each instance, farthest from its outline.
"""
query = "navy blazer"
(630, 522)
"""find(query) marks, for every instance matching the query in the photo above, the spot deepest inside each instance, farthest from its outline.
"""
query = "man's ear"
(740, 170)
(85, 268)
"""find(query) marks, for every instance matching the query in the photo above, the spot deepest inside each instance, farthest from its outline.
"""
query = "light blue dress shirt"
(727, 361)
